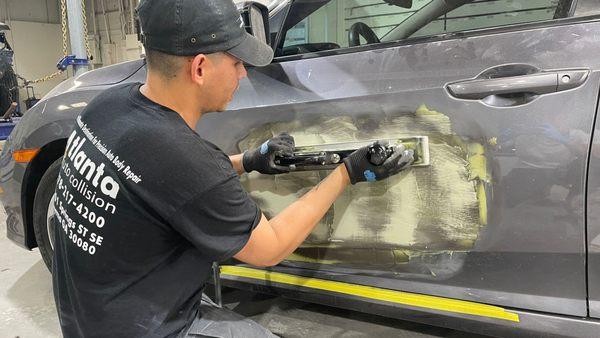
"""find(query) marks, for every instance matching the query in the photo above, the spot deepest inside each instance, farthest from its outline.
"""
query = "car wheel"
(43, 213)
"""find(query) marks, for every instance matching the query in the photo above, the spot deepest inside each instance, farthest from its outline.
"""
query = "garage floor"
(27, 306)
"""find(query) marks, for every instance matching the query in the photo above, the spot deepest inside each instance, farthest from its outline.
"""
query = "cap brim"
(253, 51)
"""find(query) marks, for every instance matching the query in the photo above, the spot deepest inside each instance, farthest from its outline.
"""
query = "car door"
(506, 92)
(593, 219)
(593, 200)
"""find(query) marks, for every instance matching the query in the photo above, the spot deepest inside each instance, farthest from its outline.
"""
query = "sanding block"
(329, 156)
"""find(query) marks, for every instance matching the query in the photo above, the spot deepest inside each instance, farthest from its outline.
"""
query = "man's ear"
(198, 68)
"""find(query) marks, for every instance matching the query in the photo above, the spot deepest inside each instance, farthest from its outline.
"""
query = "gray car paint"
(531, 255)
(509, 264)
(593, 219)
(531, 324)
(593, 196)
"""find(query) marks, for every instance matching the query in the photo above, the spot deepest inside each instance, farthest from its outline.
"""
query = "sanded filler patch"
(438, 208)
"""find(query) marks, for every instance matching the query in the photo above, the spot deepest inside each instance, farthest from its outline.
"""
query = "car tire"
(42, 204)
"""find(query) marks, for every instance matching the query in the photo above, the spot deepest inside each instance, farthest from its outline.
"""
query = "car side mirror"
(256, 19)
(400, 3)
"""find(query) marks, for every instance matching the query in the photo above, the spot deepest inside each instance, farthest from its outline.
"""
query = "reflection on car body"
(499, 235)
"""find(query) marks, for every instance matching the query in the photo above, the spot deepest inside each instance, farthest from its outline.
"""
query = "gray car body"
(539, 254)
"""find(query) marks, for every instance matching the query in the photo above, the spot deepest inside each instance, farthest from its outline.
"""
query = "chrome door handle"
(536, 84)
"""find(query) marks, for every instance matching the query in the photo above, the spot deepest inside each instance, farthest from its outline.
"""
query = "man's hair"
(166, 65)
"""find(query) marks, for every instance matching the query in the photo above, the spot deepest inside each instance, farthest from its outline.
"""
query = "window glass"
(330, 22)
(587, 7)
(316, 25)
(484, 14)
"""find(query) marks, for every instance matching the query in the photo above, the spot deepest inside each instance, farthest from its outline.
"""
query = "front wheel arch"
(42, 208)
(31, 180)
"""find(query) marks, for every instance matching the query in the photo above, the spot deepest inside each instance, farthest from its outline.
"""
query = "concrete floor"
(27, 306)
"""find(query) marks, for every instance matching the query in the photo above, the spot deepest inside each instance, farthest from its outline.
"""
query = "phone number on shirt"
(88, 215)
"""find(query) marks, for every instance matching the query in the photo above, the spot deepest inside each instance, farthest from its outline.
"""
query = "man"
(145, 205)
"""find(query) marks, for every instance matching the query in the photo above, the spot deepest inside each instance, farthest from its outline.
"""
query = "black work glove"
(360, 169)
(262, 159)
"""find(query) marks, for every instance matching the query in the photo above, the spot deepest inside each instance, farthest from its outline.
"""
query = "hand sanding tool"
(329, 156)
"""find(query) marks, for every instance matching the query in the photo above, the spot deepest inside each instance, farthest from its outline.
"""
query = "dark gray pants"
(216, 322)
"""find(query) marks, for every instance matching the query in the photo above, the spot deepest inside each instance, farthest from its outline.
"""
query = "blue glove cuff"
(370, 176)
(264, 148)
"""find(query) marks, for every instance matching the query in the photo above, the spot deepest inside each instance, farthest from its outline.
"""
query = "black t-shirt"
(144, 206)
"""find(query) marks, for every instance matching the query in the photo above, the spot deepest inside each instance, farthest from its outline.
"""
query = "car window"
(587, 7)
(484, 14)
(314, 25)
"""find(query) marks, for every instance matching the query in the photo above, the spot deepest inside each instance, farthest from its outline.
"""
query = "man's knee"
(213, 321)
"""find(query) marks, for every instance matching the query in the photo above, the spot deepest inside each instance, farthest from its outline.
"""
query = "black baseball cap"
(192, 27)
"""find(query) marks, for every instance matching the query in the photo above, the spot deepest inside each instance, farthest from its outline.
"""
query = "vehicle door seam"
(585, 206)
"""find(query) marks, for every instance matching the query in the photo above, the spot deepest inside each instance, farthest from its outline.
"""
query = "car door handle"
(537, 84)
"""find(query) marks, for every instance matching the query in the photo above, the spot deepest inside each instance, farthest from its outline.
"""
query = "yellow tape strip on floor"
(399, 297)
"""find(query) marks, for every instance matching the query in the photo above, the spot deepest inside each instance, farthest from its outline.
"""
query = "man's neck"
(173, 97)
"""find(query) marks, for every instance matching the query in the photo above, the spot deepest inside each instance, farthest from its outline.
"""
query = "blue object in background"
(71, 60)
(7, 126)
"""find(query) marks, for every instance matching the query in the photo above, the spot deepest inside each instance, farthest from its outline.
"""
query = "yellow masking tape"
(399, 297)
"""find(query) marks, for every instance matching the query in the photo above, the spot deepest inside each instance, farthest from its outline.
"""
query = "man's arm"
(275, 239)
(236, 160)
